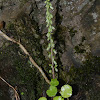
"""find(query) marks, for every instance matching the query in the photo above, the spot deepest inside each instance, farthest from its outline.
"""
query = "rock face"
(77, 33)
(79, 19)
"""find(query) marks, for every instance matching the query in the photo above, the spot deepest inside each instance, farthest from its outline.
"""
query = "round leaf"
(66, 91)
(50, 71)
(42, 98)
(56, 69)
(52, 91)
(58, 98)
(54, 82)
(22, 93)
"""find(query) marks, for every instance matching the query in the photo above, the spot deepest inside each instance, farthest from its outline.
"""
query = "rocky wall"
(76, 35)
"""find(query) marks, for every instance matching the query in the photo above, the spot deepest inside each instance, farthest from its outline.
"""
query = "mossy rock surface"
(25, 21)
(15, 66)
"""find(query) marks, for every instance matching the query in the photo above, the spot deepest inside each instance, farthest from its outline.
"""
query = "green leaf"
(22, 93)
(42, 98)
(47, 20)
(50, 71)
(55, 66)
(47, 6)
(54, 82)
(50, 65)
(48, 47)
(49, 55)
(49, 30)
(56, 69)
(54, 51)
(51, 40)
(58, 98)
(66, 91)
(48, 35)
(51, 16)
(50, 22)
(45, 2)
(52, 91)
(55, 62)
(52, 45)
(31, 65)
(53, 28)
(51, 7)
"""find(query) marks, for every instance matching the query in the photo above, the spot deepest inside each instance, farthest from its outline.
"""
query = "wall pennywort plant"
(66, 90)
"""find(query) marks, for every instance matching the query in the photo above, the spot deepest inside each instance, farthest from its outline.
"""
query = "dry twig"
(16, 95)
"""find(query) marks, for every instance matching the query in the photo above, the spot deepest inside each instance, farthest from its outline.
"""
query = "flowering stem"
(50, 47)
(53, 72)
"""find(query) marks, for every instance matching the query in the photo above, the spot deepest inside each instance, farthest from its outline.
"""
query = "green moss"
(72, 32)
(23, 3)
(29, 80)
(83, 75)
(80, 47)
(19, 72)
(60, 38)
(10, 26)
(83, 39)
(79, 50)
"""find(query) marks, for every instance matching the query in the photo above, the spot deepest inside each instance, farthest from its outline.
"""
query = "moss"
(72, 32)
(83, 39)
(79, 50)
(83, 76)
(80, 47)
(60, 38)
(90, 0)
(84, 80)
(10, 26)
(29, 80)
(23, 2)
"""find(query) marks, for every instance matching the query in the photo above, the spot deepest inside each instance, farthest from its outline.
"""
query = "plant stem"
(53, 72)
(49, 17)
(67, 98)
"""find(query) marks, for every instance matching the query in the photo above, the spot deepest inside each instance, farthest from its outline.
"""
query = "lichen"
(95, 16)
